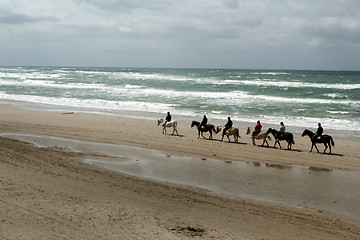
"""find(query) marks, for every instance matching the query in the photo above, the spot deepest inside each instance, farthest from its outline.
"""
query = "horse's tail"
(332, 141)
(292, 139)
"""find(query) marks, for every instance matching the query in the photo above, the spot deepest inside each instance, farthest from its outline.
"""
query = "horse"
(325, 139)
(207, 128)
(172, 124)
(288, 137)
(261, 135)
(231, 131)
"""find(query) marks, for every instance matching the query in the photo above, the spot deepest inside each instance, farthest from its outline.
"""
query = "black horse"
(279, 136)
(327, 140)
(207, 128)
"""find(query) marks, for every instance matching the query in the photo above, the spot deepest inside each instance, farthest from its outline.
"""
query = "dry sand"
(45, 194)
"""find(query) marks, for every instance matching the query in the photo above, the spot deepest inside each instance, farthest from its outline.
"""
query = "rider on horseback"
(203, 122)
(257, 129)
(282, 127)
(318, 133)
(281, 130)
(168, 118)
(228, 125)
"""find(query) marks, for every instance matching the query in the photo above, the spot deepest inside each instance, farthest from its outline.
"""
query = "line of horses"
(288, 137)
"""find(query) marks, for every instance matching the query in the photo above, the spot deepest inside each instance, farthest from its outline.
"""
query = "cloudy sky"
(271, 34)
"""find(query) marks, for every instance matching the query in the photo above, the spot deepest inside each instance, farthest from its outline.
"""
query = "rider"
(281, 131)
(228, 125)
(282, 127)
(257, 129)
(203, 122)
(168, 118)
(318, 133)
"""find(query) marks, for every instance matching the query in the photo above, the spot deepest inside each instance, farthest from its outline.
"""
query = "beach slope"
(47, 194)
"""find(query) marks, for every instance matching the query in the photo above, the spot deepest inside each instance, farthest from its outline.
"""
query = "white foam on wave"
(53, 84)
(292, 84)
(335, 123)
(30, 75)
(136, 90)
(241, 97)
(91, 103)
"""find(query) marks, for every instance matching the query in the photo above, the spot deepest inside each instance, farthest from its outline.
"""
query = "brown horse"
(231, 131)
(279, 136)
(207, 128)
(325, 139)
(261, 135)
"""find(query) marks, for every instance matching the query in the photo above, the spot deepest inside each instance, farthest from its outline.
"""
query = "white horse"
(172, 124)
(231, 131)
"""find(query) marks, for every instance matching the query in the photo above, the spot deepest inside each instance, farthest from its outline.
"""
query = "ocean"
(301, 99)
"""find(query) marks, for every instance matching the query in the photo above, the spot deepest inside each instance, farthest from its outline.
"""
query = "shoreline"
(180, 118)
(146, 133)
(82, 201)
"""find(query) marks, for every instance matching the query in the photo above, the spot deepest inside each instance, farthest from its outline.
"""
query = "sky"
(241, 34)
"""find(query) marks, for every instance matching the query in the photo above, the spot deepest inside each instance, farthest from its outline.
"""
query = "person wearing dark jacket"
(168, 118)
(228, 125)
(318, 133)
(203, 122)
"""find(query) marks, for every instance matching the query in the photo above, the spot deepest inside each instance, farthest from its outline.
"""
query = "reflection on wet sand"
(324, 189)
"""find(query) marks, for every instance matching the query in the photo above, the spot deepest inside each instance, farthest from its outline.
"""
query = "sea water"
(300, 99)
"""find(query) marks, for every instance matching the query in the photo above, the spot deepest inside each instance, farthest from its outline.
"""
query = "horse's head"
(305, 132)
(218, 129)
(270, 130)
(160, 121)
(247, 131)
(194, 123)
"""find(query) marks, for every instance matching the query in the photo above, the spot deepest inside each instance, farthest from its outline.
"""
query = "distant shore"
(71, 199)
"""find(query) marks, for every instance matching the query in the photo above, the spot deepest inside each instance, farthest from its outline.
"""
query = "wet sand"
(48, 195)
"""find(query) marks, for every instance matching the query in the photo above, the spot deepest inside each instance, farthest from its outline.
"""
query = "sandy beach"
(47, 194)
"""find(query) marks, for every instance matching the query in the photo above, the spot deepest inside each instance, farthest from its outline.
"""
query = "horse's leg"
(329, 147)
(198, 133)
(164, 130)
(316, 147)
(222, 138)
(210, 137)
(228, 137)
(325, 146)
(202, 134)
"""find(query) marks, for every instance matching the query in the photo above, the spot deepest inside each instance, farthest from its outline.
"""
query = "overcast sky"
(270, 34)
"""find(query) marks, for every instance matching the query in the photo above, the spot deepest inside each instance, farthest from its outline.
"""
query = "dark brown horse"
(207, 128)
(325, 139)
(279, 136)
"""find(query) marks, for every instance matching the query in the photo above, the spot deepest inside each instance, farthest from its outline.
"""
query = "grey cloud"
(14, 18)
(226, 33)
